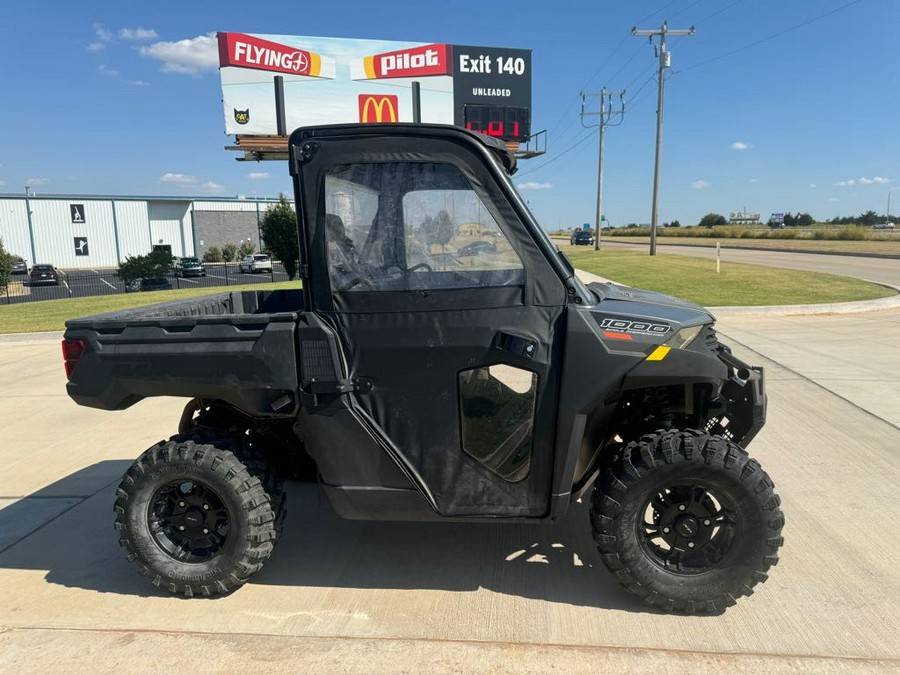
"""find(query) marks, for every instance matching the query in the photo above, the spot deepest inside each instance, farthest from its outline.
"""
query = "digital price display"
(503, 122)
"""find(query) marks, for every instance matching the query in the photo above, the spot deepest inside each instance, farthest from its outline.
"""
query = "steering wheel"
(357, 281)
(420, 266)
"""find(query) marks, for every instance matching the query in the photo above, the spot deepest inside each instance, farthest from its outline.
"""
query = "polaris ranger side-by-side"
(440, 362)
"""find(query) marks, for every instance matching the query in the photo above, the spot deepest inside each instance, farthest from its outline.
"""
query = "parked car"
(582, 238)
(19, 266)
(258, 262)
(477, 248)
(43, 274)
(189, 267)
(883, 226)
(157, 284)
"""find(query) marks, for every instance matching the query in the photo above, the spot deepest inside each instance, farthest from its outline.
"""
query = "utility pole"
(606, 115)
(665, 61)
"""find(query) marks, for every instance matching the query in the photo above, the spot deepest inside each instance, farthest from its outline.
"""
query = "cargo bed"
(237, 347)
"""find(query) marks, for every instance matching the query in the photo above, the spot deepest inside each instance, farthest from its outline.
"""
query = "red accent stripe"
(617, 336)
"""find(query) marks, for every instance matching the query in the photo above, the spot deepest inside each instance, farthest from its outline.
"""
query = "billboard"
(337, 80)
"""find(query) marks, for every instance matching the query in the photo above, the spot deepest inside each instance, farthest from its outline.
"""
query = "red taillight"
(72, 351)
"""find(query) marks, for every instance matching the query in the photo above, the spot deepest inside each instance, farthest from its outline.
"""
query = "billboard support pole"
(417, 103)
(279, 106)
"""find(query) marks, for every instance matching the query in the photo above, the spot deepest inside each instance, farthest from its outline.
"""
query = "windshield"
(190, 261)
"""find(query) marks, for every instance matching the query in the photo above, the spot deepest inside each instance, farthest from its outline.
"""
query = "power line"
(684, 9)
(770, 37)
(655, 12)
(717, 12)
(561, 154)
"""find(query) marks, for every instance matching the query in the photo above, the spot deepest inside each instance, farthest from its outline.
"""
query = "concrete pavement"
(399, 597)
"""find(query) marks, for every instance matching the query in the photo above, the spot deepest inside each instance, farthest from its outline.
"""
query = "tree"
(803, 220)
(674, 223)
(868, 218)
(789, 220)
(229, 252)
(5, 267)
(154, 265)
(246, 248)
(712, 220)
(279, 231)
(438, 230)
(213, 255)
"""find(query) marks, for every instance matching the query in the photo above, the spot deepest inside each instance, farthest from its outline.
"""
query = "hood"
(649, 304)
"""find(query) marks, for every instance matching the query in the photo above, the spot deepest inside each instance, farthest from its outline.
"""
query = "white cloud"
(188, 57)
(103, 36)
(102, 32)
(179, 178)
(103, 69)
(531, 185)
(700, 184)
(738, 145)
(833, 199)
(813, 185)
(211, 187)
(140, 83)
(37, 181)
(754, 180)
(138, 34)
(874, 180)
(257, 175)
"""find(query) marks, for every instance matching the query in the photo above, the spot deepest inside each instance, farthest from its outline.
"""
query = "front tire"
(195, 516)
(686, 521)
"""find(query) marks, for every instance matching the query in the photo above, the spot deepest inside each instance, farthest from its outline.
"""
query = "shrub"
(212, 255)
(246, 248)
(229, 252)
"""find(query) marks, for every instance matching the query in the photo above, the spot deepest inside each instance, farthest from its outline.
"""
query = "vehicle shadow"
(558, 563)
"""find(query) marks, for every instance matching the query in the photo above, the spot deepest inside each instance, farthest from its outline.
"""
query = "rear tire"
(686, 521)
(199, 514)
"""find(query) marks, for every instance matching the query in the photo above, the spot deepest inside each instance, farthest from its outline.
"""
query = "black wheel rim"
(688, 528)
(188, 521)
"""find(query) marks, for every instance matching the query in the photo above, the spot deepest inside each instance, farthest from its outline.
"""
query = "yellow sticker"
(659, 353)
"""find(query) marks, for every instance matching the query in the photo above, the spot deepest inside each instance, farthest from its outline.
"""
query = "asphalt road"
(398, 597)
(879, 270)
(85, 283)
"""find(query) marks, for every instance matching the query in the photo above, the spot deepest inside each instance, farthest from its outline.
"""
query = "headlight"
(684, 337)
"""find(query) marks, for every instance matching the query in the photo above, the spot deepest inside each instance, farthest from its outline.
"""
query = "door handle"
(514, 344)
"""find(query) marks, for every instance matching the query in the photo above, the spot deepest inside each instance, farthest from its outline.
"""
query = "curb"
(49, 336)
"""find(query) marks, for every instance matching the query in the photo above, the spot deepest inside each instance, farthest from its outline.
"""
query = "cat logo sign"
(378, 108)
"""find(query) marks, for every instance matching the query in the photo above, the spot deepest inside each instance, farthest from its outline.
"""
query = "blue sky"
(105, 98)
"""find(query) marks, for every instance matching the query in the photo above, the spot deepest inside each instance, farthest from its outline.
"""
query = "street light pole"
(889, 203)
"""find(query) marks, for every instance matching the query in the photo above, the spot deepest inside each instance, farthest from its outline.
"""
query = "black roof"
(495, 145)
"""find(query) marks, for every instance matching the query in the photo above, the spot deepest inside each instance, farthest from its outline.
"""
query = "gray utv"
(440, 361)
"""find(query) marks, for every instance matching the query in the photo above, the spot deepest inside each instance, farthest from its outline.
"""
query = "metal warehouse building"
(90, 231)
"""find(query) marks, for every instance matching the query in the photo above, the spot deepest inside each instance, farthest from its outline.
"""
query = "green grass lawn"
(690, 278)
(739, 284)
(29, 317)
(883, 247)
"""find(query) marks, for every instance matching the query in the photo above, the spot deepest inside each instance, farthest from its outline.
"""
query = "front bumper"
(739, 412)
